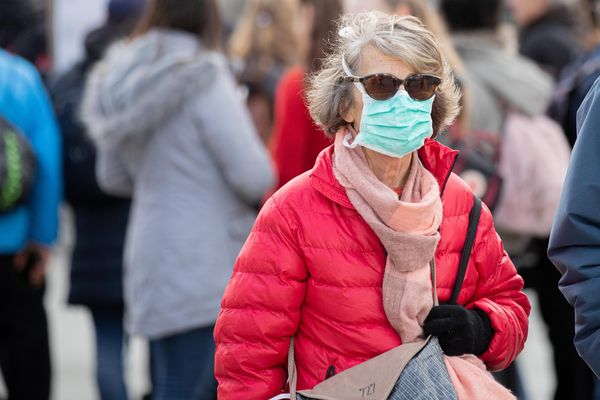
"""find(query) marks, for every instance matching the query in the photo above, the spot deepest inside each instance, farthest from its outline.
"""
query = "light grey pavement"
(71, 21)
(73, 348)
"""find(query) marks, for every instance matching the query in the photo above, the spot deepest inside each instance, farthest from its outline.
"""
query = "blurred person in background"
(297, 140)
(261, 48)
(27, 232)
(546, 32)
(100, 219)
(497, 78)
(503, 83)
(578, 77)
(231, 11)
(173, 134)
(23, 31)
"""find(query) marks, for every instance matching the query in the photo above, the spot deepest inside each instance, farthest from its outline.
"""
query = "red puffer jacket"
(313, 268)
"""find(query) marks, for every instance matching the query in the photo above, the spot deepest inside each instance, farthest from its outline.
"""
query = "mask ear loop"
(351, 135)
(347, 138)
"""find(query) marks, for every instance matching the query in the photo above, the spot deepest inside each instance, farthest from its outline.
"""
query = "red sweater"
(296, 140)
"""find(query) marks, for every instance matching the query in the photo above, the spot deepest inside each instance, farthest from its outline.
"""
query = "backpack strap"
(466, 251)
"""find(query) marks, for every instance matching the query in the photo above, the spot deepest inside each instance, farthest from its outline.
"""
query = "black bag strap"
(466, 251)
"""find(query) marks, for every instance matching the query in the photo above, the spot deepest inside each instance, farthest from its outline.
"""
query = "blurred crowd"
(185, 116)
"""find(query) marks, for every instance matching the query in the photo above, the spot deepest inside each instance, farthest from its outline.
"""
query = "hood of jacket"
(516, 81)
(143, 82)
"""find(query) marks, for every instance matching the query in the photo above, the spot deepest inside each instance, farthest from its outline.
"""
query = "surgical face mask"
(394, 127)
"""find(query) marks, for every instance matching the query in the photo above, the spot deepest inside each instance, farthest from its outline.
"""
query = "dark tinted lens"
(381, 87)
(421, 87)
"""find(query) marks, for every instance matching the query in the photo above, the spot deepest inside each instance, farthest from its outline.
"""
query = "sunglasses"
(385, 86)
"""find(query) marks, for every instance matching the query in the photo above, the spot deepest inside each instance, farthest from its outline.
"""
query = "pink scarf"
(408, 229)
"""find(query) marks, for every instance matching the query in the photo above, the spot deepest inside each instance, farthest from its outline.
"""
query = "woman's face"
(372, 62)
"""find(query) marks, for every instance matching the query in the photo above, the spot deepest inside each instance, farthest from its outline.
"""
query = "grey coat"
(173, 133)
(499, 81)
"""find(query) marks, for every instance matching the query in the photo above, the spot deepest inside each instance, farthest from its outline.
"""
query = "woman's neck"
(393, 172)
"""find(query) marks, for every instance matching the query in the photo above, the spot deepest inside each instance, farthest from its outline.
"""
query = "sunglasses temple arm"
(346, 67)
(350, 76)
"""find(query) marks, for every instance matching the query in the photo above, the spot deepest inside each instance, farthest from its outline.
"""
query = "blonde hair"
(265, 34)
(404, 38)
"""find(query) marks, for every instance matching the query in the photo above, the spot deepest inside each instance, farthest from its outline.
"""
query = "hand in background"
(33, 261)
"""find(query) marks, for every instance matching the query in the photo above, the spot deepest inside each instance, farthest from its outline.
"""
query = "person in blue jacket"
(575, 240)
(27, 234)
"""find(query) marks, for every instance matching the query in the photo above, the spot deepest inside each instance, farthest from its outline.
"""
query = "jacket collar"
(437, 158)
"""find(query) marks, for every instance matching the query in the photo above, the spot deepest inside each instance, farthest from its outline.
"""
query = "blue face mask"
(394, 127)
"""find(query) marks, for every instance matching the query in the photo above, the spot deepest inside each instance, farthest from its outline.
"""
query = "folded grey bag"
(425, 377)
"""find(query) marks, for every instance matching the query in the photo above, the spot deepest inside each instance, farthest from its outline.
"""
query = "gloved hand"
(460, 331)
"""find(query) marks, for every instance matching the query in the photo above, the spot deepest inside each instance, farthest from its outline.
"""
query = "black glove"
(460, 331)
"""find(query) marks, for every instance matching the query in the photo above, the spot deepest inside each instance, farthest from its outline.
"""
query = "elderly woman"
(319, 264)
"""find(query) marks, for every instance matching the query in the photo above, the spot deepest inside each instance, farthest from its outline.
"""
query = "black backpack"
(17, 166)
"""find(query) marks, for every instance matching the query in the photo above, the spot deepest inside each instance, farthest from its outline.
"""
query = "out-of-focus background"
(524, 24)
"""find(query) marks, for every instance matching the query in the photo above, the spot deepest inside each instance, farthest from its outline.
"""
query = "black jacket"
(550, 41)
(576, 81)
(100, 220)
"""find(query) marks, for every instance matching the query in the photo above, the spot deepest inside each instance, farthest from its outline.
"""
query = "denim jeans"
(183, 366)
(110, 342)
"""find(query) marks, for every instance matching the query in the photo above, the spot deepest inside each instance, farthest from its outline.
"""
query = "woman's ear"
(351, 109)
(346, 114)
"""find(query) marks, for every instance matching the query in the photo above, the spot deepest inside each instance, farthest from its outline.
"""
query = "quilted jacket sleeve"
(260, 310)
(499, 293)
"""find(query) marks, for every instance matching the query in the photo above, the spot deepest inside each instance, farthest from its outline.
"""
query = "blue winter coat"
(575, 240)
(24, 103)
